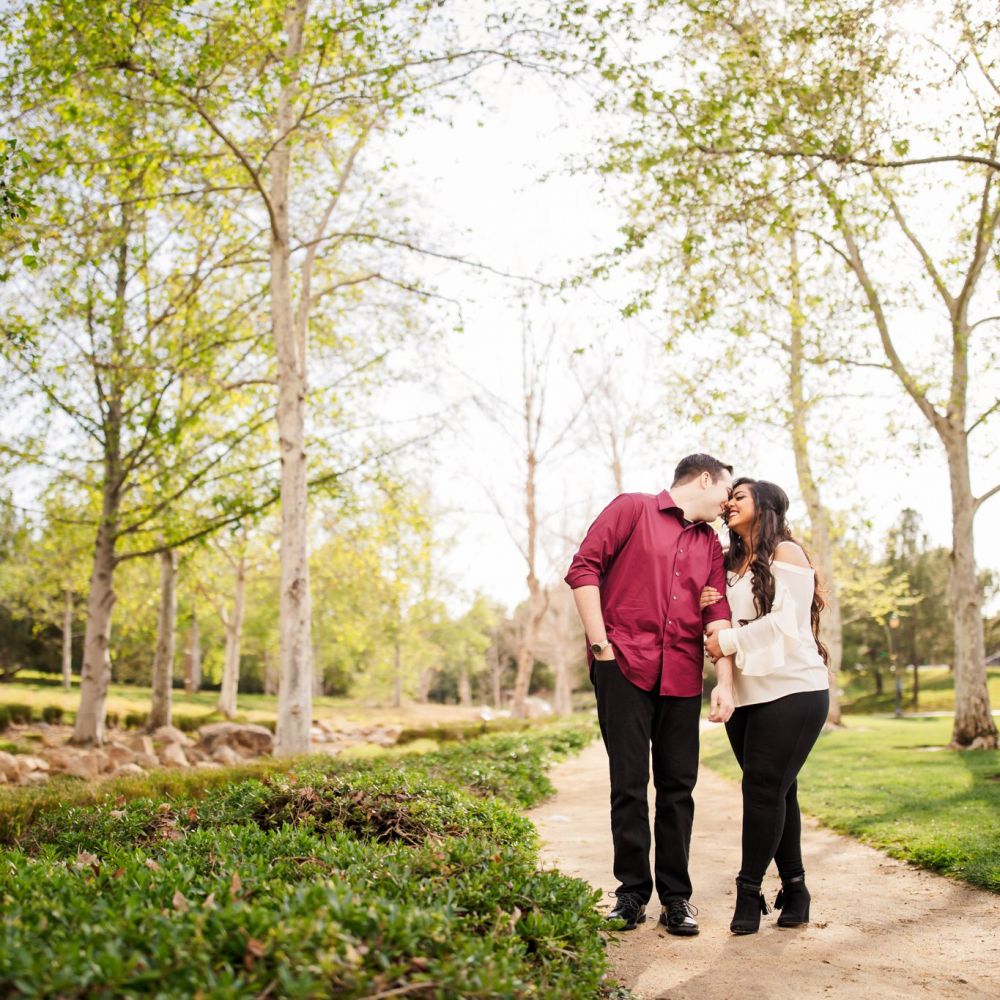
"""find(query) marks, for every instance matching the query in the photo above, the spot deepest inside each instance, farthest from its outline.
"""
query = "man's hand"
(712, 646)
(721, 707)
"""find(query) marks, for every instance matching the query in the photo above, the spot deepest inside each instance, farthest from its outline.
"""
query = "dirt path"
(881, 929)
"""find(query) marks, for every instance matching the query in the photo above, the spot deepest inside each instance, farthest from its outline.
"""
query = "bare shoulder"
(789, 552)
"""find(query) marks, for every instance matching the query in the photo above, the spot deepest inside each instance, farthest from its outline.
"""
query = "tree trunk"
(879, 687)
(270, 673)
(397, 663)
(537, 606)
(563, 695)
(425, 684)
(493, 658)
(163, 662)
(67, 644)
(234, 635)
(974, 727)
(464, 687)
(192, 659)
(831, 628)
(295, 639)
(95, 674)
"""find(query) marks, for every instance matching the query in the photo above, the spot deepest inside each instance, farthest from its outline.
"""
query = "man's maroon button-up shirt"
(651, 567)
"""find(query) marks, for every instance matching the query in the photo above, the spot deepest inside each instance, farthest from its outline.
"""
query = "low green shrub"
(111, 720)
(19, 714)
(136, 720)
(191, 723)
(4, 718)
(52, 714)
(309, 878)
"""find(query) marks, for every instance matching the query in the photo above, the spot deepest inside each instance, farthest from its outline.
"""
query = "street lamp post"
(897, 680)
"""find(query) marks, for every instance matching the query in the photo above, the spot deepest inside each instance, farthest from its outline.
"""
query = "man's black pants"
(632, 721)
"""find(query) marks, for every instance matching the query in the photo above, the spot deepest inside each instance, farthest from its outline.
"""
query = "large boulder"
(87, 766)
(128, 770)
(139, 743)
(8, 766)
(27, 764)
(172, 755)
(242, 738)
(226, 755)
(171, 734)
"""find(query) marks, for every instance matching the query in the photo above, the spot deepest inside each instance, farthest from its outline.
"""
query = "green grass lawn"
(936, 694)
(889, 783)
(40, 690)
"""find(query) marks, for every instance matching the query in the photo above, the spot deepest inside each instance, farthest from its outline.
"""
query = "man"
(636, 581)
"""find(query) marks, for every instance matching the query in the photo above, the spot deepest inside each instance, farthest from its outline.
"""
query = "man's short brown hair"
(694, 465)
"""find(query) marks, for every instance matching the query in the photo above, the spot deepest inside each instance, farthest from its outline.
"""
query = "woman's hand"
(709, 596)
(712, 646)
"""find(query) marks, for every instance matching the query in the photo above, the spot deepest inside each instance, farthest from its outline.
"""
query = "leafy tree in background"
(839, 120)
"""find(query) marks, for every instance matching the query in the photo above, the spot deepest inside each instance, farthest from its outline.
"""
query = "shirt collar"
(666, 502)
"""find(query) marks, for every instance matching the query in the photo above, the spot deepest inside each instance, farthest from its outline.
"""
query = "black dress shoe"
(678, 918)
(630, 910)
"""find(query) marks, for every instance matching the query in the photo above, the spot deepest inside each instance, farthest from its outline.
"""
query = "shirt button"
(675, 597)
(677, 572)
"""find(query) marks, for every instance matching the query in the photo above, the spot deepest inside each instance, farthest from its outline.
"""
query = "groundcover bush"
(411, 876)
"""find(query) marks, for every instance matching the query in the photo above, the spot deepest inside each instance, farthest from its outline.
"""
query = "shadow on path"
(881, 928)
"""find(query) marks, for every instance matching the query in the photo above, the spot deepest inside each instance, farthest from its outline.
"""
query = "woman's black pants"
(771, 741)
(633, 722)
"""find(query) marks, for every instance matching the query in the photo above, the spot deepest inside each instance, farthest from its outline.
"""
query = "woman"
(781, 691)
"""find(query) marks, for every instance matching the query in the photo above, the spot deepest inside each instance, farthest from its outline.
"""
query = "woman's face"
(740, 509)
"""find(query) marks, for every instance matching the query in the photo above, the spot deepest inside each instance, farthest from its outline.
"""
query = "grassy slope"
(937, 691)
(889, 783)
(408, 875)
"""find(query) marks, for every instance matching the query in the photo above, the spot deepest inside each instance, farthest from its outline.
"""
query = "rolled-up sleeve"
(604, 538)
(717, 580)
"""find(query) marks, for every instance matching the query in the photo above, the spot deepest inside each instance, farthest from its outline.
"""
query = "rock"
(128, 769)
(171, 734)
(208, 765)
(255, 739)
(3, 778)
(147, 760)
(226, 755)
(325, 726)
(59, 759)
(172, 755)
(84, 765)
(8, 766)
(34, 778)
(26, 763)
(52, 738)
(140, 743)
(119, 754)
(317, 734)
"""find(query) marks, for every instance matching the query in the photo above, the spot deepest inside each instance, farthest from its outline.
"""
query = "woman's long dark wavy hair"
(768, 531)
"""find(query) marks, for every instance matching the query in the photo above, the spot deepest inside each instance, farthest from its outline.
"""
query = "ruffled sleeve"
(760, 646)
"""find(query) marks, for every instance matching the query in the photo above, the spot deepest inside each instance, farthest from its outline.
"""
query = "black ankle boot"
(793, 901)
(750, 904)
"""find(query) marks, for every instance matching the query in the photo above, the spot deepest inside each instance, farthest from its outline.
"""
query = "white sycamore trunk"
(234, 632)
(163, 663)
(67, 643)
(295, 640)
(95, 674)
(192, 661)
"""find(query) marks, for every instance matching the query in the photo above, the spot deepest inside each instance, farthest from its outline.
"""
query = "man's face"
(717, 494)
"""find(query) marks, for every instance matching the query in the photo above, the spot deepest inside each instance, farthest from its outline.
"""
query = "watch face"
(596, 647)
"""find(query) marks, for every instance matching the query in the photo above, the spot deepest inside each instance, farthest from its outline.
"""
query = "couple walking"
(654, 591)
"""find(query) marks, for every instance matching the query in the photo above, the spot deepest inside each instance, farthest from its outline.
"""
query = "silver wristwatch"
(599, 647)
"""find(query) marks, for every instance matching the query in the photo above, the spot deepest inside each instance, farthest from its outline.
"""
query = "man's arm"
(588, 606)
